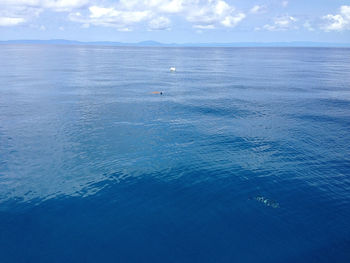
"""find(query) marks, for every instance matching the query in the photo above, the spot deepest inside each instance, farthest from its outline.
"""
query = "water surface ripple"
(244, 158)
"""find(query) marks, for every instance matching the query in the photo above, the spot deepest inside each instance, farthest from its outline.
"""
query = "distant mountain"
(158, 44)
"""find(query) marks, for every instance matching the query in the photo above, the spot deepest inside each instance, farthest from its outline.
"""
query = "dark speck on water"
(95, 169)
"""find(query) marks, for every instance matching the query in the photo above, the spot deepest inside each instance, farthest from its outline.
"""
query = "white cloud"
(19, 2)
(15, 12)
(231, 21)
(202, 14)
(160, 23)
(63, 5)
(124, 29)
(338, 22)
(203, 27)
(110, 17)
(213, 14)
(11, 21)
(16, 15)
(257, 9)
(174, 6)
(281, 24)
(166, 6)
(57, 5)
(126, 14)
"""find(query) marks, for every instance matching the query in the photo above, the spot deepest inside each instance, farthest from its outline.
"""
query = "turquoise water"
(244, 158)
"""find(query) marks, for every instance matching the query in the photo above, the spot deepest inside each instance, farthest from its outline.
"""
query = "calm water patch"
(244, 157)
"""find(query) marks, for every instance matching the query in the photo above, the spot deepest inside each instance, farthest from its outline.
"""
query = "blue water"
(244, 158)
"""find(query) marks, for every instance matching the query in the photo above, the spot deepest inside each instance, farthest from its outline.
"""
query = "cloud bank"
(338, 22)
(128, 15)
(125, 14)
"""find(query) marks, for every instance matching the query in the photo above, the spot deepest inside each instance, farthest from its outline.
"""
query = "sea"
(242, 155)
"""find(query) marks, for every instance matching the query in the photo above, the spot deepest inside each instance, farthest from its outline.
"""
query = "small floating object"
(157, 92)
(267, 202)
(172, 69)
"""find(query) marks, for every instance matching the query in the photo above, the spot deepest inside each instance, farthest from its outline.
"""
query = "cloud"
(16, 12)
(281, 24)
(174, 6)
(126, 14)
(204, 27)
(11, 21)
(160, 23)
(257, 9)
(165, 6)
(110, 17)
(204, 14)
(232, 21)
(57, 5)
(63, 5)
(17, 15)
(213, 14)
(338, 22)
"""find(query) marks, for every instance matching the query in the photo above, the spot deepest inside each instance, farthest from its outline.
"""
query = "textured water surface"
(244, 158)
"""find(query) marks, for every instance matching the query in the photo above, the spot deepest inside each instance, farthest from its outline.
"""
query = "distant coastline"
(159, 44)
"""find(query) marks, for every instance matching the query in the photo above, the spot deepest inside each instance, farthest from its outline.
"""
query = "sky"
(177, 21)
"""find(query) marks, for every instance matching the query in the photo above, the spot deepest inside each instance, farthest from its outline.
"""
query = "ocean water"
(244, 158)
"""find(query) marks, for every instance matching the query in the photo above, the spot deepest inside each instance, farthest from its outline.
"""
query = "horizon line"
(152, 43)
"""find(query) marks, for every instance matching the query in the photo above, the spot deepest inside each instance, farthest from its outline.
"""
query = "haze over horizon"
(176, 21)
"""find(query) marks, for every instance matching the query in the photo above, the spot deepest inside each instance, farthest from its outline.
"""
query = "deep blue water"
(244, 158)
